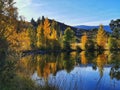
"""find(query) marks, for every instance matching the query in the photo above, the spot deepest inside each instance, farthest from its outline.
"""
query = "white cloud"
(29, 9)
(23, 3)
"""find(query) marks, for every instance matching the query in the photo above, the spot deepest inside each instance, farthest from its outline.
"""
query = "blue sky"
(71, 12)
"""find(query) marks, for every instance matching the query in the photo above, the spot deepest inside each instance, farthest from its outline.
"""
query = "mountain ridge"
(106, 27)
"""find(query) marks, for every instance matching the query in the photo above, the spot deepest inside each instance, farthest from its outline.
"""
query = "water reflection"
(73, 71)
(115, 69)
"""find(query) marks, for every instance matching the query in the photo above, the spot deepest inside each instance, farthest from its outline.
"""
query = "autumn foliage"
(20, 35)
(83, 41)
(101, 37)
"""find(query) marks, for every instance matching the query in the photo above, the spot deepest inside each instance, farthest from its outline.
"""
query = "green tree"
(90, 45)
(68, 38)
(116, 33)
(115, 27)
(38, 21)
(112, 43)
(33, 22)
(33, 38)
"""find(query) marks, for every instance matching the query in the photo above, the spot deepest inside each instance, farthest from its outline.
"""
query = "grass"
(23, 83)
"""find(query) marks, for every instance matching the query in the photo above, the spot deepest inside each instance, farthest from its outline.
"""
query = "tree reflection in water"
(58, 70)
(115, 69)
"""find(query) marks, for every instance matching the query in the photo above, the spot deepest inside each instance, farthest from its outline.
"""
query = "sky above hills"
(71, 12)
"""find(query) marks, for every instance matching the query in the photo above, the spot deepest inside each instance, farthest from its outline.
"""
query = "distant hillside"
(106, 27)
(64, 26)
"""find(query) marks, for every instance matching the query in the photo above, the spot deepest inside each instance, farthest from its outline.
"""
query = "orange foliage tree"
(83, 41)
(46, 28)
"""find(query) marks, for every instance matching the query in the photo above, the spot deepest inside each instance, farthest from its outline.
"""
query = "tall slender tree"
(34, 24)
(47, 31)
(46, 27)
(84, 41)
(68, 38)
(40, 36)
(33, 37)
(101, 38)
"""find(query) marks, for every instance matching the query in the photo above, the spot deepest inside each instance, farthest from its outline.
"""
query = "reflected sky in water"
(80, 78)
(75, 71)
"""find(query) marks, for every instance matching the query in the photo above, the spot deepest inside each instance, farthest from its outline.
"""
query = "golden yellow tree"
(84, 41)
(83, 58)
(8, 18)
(40, 36)
(19, 41)
(24, 40)
(39, 68)
(101, 37)
(47, 32)
(54, 35)
(46, 28)
(101, 60)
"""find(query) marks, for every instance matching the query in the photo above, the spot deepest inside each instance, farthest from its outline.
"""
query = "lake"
(73, 71)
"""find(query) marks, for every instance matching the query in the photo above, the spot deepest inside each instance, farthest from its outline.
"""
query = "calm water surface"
(64, 71)
(75, 71)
